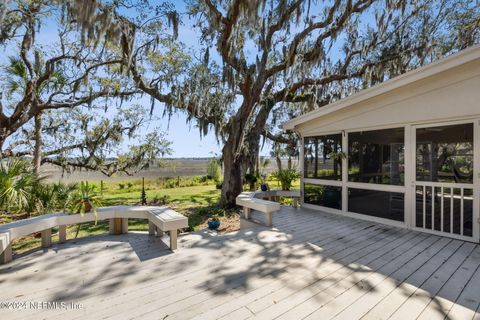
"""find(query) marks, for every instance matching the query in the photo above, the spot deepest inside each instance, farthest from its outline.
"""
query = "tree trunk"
(235, 163)
(252, 158)
(234, 166)
(279, 162)
(37, 153)
(232, 176)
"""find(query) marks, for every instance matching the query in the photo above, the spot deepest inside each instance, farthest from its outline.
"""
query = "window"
(377, 156)
(326, 196)
(382, 204)
(323, 157)
(445, 154)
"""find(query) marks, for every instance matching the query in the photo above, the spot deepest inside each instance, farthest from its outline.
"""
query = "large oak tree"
(262, 61)
(267, 60)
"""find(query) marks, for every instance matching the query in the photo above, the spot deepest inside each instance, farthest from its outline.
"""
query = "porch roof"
(441, 65)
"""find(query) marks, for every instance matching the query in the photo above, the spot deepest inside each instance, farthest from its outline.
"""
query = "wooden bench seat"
(274, 195)
(256, 201)
(22, 228)
(248, 201)
(164, 219)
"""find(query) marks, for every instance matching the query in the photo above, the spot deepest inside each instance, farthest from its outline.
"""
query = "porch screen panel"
(445, 154)
(321, 195)
(382, 204)
(377, 156)
(323, 157)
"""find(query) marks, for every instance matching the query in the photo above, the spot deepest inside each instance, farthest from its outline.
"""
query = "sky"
(185, 137)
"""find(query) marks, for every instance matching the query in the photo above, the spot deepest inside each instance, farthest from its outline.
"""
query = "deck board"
(341, 295)
(310, 265)
(469, 299)
(403, 291)
(439, 306)
(417, 302)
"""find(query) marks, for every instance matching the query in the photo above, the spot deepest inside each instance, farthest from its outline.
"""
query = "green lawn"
(183, 196)
(196, 202)
(186, 200)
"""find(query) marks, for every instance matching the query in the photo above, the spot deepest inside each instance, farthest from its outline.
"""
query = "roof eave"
(455, 60)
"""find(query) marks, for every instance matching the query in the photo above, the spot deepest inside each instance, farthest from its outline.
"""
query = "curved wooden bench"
(18, 229)
(161, 219)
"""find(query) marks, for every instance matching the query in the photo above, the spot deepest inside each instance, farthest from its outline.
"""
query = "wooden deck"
(310, 265)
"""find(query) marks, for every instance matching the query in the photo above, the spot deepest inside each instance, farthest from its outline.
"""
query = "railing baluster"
(424, 207)
(432, 197)
(461, 211)
(441, 209)
(451, 210)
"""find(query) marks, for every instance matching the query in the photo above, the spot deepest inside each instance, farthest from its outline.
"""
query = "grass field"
(169, 168)
(197, 202)
(186, 200)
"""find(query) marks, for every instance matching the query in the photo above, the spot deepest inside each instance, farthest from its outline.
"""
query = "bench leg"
(159, 232)
(246, 212)
(268, 219)
(62, 234)
(151, 228)
(124, 225)
(115, 226)
(111, 226)
(6, 255)
(46, 238)
(173, 240)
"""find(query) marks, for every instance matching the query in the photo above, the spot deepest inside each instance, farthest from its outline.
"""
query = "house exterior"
(405, 152)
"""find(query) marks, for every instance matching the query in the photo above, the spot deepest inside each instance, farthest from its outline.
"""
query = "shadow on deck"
(309, 265)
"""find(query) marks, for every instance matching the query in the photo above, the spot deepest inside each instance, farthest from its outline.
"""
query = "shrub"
(165, 199)
(286, 177)
(121, 186)
(219, 212)
(214, 169)
(85, 199)
(18, 184)
(64, 193)
(251, 180)
(194, 220)
(161, 200)
(170, 183)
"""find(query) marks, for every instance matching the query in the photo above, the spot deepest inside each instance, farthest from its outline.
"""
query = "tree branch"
(277, 138)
